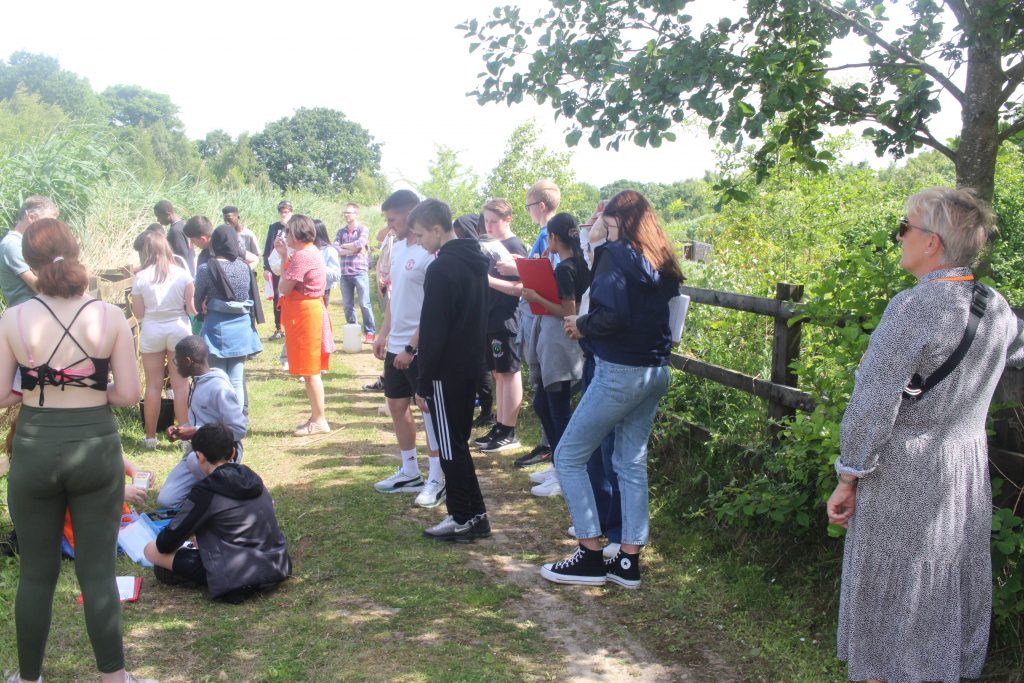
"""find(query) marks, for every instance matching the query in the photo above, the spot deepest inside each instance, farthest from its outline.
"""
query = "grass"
(370, 600)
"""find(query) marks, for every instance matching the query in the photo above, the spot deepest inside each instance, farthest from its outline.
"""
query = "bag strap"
(979, 303)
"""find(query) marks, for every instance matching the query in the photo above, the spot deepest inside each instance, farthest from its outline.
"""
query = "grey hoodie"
(214, 400)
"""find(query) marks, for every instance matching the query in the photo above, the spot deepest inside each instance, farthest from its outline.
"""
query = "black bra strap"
(979, 303)
(67, 330)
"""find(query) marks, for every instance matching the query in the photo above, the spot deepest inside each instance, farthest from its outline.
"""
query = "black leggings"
(67, 458)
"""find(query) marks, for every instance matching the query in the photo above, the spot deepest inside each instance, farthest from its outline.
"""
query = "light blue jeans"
(626, 397)
(234, 368)
(351, 285)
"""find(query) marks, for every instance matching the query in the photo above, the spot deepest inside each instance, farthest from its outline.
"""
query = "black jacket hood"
(467, 251)
(234, 481)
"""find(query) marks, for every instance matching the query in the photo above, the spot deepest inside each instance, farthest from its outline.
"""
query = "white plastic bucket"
(352, 338)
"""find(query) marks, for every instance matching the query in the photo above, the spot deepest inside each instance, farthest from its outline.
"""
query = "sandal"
(311, 428)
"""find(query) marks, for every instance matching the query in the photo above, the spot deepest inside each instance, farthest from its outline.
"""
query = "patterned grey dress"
(916, 594)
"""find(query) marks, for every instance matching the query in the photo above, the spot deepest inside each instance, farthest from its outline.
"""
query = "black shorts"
(399, 383)
(502, 354)
(188, 565)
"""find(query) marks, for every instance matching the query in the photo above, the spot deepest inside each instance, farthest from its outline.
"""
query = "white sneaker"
(432, 495)
(551, 487)
(400, 482)
(571, 531)
(541, 476)
(149, 443)
(611, 550)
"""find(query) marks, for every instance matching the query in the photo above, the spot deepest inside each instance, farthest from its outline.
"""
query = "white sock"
(436, 473)
(409, 465)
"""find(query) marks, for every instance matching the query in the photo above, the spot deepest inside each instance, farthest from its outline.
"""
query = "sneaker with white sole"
(486, 438)
(130, 678)
(623, 569)
(584, 567)
(16, 678)
(551, 487)
(541, 476)
(432, 495)
(611, 550)
(501, 442)
(400, 482)
(467, 532)
(149, 443)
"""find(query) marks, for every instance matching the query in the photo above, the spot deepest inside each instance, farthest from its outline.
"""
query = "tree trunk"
(979, 141)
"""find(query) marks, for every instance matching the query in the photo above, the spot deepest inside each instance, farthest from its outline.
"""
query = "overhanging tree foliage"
(632, 69)
(316, 149)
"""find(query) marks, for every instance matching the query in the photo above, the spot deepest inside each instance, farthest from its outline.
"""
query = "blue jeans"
(602, 476)
(350, 284)
(234, 368)
(626, 397)
(554, 410)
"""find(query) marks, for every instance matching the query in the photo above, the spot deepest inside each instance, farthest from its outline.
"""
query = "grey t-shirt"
(12, 265)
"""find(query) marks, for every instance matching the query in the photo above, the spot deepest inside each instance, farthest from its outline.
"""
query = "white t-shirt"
(408, 270)
(165, 300)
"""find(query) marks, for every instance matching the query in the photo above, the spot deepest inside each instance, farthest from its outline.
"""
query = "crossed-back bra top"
(88, 372)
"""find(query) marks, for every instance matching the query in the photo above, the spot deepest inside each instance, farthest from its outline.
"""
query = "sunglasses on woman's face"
(906, 226)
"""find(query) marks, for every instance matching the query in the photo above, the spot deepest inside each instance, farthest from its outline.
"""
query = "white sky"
(399, 68)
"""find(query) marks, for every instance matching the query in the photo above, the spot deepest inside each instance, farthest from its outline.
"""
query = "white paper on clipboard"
(677, 307)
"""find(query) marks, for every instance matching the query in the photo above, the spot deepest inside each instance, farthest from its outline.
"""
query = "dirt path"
(580, 624)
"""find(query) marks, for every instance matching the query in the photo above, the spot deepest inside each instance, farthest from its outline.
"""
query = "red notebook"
(127, 586)
(538, 275)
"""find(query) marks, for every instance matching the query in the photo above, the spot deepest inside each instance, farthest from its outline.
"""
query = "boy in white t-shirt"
(396, 345)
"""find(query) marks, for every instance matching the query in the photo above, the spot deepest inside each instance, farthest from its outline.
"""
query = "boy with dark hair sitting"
(212, 400)
(241, 549)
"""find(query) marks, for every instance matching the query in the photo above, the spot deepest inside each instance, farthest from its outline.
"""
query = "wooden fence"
(783, 393)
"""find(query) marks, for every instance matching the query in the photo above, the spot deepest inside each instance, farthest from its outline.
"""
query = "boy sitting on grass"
(241, 549)
(212, 400)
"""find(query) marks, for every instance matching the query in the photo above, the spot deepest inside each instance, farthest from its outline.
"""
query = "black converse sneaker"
(584, 567)
(623, 569)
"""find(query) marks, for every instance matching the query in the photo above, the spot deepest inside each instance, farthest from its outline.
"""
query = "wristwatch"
(411, 350)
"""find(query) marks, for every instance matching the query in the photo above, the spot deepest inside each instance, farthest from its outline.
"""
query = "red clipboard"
(538, 275)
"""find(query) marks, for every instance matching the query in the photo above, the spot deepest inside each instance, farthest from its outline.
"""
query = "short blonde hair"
(959, 217)
(545, 191)
(500, 206)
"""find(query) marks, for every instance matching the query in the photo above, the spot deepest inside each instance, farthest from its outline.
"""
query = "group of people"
(913, 484)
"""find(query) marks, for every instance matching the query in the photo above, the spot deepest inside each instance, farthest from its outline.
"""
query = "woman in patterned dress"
(308, 335)
(914, 490)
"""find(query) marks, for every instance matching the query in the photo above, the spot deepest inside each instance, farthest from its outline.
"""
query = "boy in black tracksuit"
(451, 358)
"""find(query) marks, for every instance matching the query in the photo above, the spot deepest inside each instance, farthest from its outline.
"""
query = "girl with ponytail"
(66, 451)
(557, 361)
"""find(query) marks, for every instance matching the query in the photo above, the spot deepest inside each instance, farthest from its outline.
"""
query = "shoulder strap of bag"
(979, 303)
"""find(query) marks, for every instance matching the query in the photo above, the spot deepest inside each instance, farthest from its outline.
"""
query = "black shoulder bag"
(979, 302)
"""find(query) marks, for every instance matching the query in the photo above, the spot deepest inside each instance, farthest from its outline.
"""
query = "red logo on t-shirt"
(410, 264)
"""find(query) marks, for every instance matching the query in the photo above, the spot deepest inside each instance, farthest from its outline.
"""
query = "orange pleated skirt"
(306, 329)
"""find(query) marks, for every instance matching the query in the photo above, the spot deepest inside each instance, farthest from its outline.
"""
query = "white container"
(352, 338)
(677, 307)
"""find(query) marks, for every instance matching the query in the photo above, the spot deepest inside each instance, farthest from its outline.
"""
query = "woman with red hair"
(627, 329)
(66, 449)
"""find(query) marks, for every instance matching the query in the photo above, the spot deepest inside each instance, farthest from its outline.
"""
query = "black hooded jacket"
(232, 517)
(453, 320)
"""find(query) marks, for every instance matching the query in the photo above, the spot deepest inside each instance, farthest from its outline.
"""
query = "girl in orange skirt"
(309, 338)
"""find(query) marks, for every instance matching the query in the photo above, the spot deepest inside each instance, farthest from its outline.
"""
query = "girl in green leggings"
(61, 347)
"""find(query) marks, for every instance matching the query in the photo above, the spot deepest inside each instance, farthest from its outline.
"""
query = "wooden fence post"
(785, 350)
